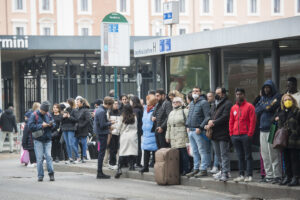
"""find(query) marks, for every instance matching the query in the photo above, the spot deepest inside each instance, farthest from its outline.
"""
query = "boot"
(40, 179)
(51, 176)
(191, 174)
(131, 165)
(102, 176)
(285, 181)
(294, 182)
(119, 172)
(143, 170)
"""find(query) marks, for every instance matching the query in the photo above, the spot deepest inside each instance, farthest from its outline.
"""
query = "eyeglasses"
(176, 102)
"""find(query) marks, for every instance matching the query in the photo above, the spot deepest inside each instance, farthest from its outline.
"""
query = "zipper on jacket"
(239, 114)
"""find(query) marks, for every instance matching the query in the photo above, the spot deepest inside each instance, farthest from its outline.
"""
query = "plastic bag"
(25, 157)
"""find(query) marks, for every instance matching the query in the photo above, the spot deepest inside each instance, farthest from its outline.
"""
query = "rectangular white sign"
(171, 12)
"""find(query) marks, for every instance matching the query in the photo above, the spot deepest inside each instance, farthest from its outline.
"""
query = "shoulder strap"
(36, 117)
(184, 117)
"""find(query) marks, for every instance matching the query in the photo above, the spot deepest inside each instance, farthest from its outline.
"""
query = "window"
(19, 30)
(182, 31)
(229, 6)
(205, 6)
(19, 4)
(298, 6)
(46, 5)
(276, 6)
(253, 6)
(84, 31)
(182, 6)
(157, 6)
(123, 6)
(84, 5)
(46, 31)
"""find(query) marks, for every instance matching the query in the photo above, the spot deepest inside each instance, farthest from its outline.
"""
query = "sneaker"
(224, 177)
(269, 180)
(229, 174)
(51, 176)
(276, 180)
(40, 179)
(239, 179)
(76, 161)
(201, 174)
(248, 179)
(31, 165)
(191, 174)
(113, 167)
(218, 175)
(102, 176)
(70, 161)
(214, 170)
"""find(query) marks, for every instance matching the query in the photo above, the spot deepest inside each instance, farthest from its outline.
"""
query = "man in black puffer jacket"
(8, 124)
(219, 122)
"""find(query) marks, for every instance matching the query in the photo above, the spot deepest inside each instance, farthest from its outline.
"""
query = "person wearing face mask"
(219, 118)
(289, 117)
(241, 129)
(266, 108)
(176, 133)
(198, 117)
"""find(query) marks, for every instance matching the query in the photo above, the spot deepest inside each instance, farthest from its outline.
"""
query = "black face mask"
(177, 107)
(217, 97)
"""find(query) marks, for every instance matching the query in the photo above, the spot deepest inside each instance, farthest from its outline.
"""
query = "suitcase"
(92, 147)
(166, 167)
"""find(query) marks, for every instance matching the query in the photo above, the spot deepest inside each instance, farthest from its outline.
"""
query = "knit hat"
(45, 106)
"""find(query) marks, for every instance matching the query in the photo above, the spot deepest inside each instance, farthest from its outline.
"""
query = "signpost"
(115, 43)
(171, 13)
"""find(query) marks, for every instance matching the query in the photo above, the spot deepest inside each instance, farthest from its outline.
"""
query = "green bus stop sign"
(114, 18)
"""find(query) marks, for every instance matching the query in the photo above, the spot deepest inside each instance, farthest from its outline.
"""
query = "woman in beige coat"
(176, 132)
(127, 128)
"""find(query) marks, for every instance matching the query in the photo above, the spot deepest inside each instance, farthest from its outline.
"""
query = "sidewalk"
(253, 189)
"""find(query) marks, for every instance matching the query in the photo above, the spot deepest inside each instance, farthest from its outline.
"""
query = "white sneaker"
(31, 165)
(113, 167)
(248, 179)
(239, 179)
(214, 170)
(76, 161)
(229, 175)
(217, 174)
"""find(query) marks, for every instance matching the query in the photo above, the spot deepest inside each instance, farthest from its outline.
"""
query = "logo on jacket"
(234, 113)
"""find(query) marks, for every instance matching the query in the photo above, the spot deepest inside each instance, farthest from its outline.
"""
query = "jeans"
(221, 149)
(83, 141)
(69, 137)
(11, 140)
(102, 141)
(42, 149)
(201, 148)
(242, 145)
(214, 156)
(113, 149)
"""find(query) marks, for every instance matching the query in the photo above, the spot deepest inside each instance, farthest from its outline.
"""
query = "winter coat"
(291, 120)
(56, 129)
(139, 115)
(128, 138)
(27, 140)
(35, 125)
(84, 118)
(220, 113)
(8, 121)
(149, 141)
(198, 113)
(69, 123)
(242, 119)
(114, 115)
(101, 123)
(161, 112)
(267, 106)
(176, 130)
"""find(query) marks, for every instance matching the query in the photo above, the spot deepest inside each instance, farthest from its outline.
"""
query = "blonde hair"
(36, 106)
(295, 104)
(151, 100)
(176, 93)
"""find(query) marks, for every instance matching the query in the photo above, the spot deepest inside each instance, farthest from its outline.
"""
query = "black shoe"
(102, 176)
(263, 180)
(143, 170)
(201, 174)
(151, 165)
(139, 166)
(56, 160)
(276, 180)
(51, 176)
(294, 182)
(119, 173)
(192, 173)
(40, 179)
(131, 168)
(183, 173)
(285, 181)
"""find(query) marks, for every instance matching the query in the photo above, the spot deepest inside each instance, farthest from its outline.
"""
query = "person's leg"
(184, 160)
(47, 152)
(265, 154)
(68, 145)
(194, 145)
(238, 146)
(276, 164)
(39, 152)
(84, 146)
(295, 162)
(102, 141)
(112, 151)
(146, 159)
(32, 156)
(74, 143)
(204, 149)
(11, 141)
(217, 151)
(247, 146)
(139, 157)
(157, 139)
(2, 138)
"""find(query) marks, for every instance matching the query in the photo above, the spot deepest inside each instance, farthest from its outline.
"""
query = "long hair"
(128, 116)
(84, 102)
(71, 102)
(136, 103)
(57, 106)
(295, 104)
(36, 106)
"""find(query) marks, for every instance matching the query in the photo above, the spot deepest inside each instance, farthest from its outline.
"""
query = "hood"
(272, 85)
(202, 97)
(9, 111)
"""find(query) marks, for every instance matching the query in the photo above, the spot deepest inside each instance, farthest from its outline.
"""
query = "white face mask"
(195, 96)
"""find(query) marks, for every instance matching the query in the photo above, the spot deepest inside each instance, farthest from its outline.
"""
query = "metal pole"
(0, 81)
(275, 54)
(116, 83)
(171, 29)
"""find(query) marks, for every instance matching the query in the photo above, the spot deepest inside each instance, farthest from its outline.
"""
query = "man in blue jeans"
(197, 118)
(102, 129)
(42, 120)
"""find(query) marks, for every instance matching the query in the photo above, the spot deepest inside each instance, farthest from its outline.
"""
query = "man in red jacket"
(241, 129)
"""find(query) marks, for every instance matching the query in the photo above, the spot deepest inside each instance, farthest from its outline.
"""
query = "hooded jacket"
(8, 121)
(84, 118)
(267, 106)
(198, 113)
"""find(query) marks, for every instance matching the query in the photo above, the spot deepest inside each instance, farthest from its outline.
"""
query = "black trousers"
(147, 155)
(139, 157)
(102, 139)
(184, 160)
(292, 162)
(32, 156)
(161, 140)
(113, 149)
(123, 160)
(56, 148)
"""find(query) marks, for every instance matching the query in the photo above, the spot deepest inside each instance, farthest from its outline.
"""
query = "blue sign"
(161, 45)
(167, 15)
(165, 45)
(113, 28)
(168, 44)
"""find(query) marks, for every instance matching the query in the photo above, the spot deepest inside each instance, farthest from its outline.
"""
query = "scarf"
(149, 108)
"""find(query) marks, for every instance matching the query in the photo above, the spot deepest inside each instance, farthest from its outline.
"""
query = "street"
(20, 182)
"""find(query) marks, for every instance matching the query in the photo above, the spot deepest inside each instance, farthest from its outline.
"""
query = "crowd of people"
(203, 127)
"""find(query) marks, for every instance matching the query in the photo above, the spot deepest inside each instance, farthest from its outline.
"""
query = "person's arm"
(260, 106)
(167, 109)
(224, 116)
(32, 124)
(102, 122)
(168, 132)
(252, 118)
(231, 122)
(86, 121)
(205, 109)
(15, 124)
(274, 105)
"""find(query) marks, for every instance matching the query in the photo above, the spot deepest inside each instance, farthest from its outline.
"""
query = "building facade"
(83, 17)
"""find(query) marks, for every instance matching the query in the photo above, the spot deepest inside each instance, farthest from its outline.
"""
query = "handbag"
(273, 130)
(38, 133)
(281, 138)
(209, 133)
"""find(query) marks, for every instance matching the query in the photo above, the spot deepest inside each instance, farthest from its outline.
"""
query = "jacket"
(149, 141)
(242, 119)
(115, 116)
(220, 114)
(176, 130)
(101, 123)
(35, 125)
(198, 113)
(27, 140)
(139, 116)
(69, 123)
(56, 129)
(161, 112)
(267, 106)
(8, 121)
(84, 117)
(291, 120)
